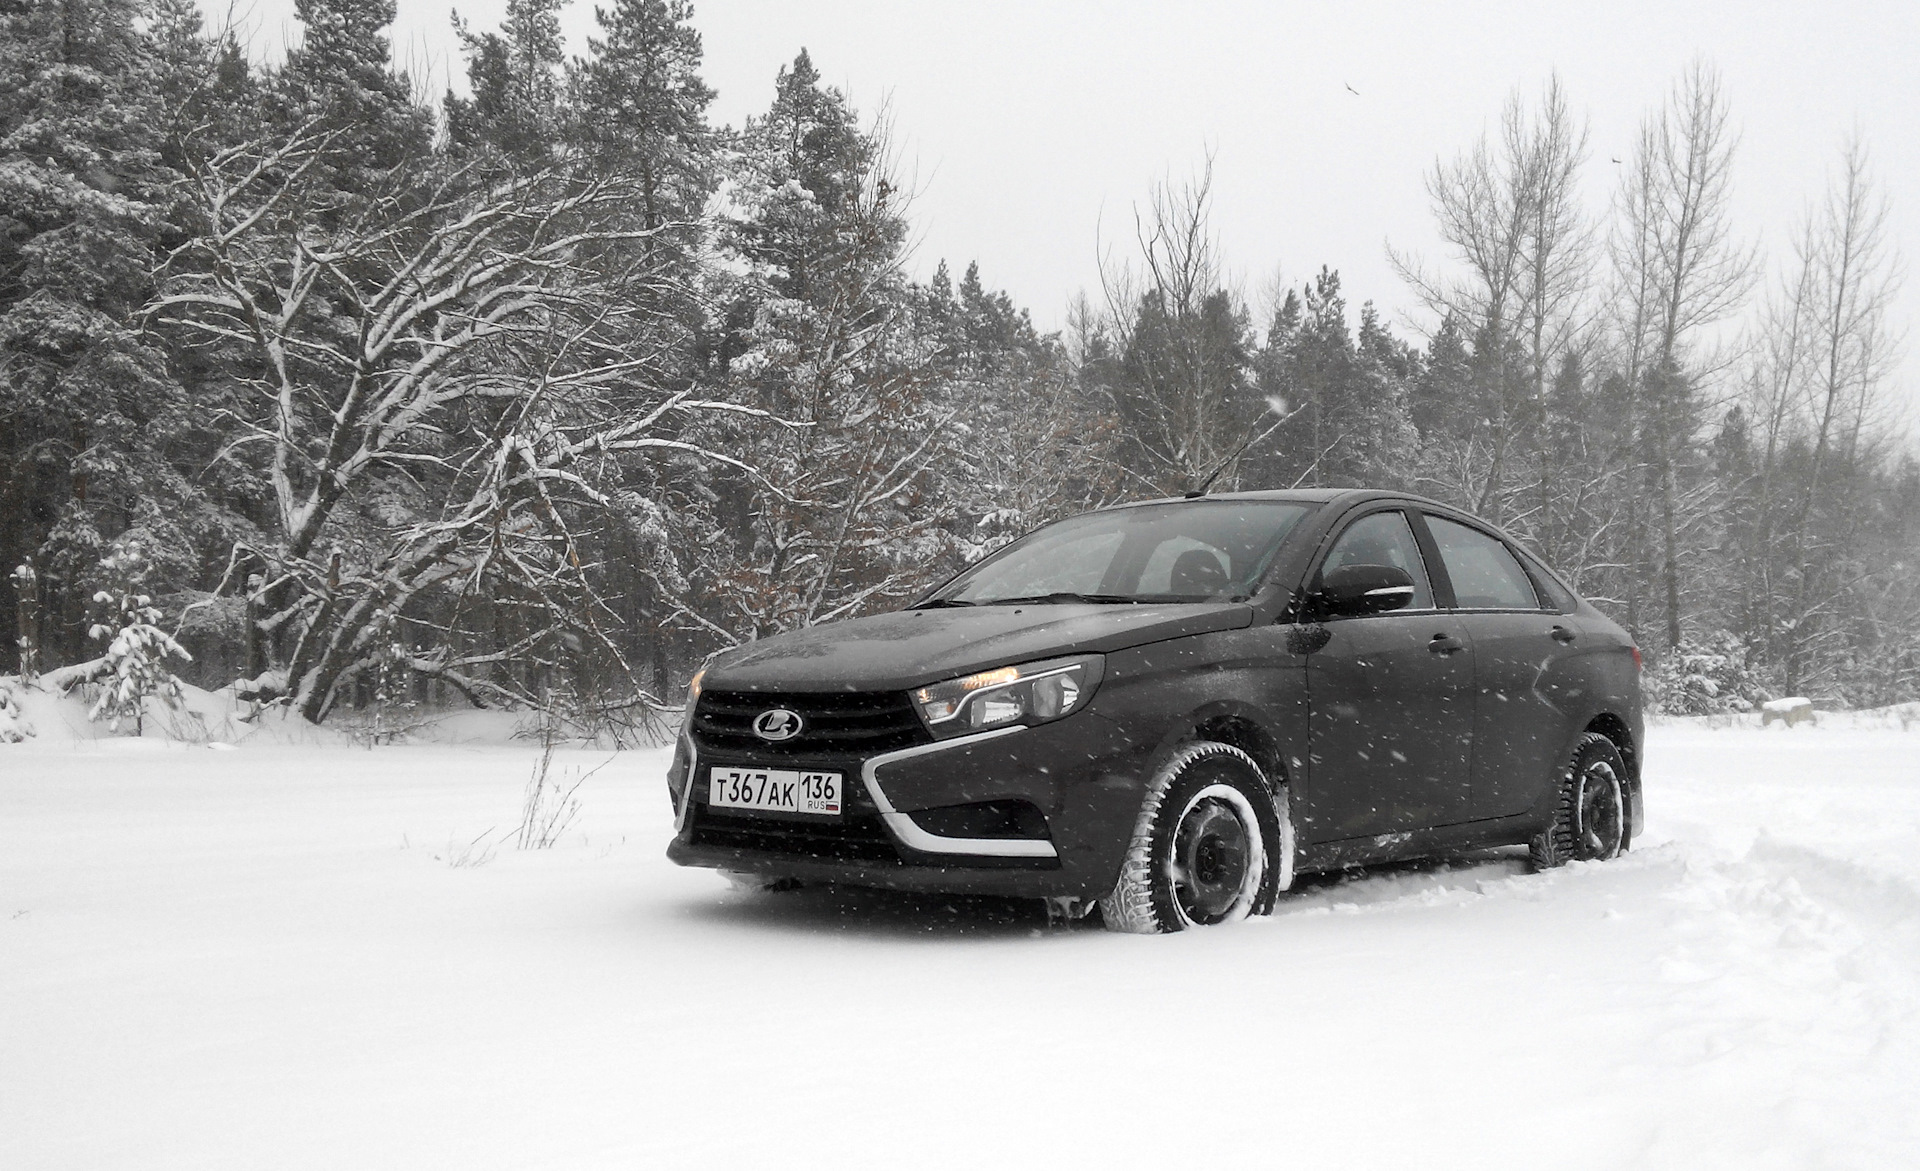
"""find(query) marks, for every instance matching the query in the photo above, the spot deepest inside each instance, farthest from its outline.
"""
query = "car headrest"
(1197, 572)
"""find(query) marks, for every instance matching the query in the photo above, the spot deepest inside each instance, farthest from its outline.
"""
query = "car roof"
(1348, 497)
(1295, 496)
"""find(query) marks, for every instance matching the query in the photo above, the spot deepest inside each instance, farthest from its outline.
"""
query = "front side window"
(1384, 538)
(1197, 551)
(1485, 575)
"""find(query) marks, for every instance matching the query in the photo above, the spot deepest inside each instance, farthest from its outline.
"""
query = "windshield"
(1189, 551)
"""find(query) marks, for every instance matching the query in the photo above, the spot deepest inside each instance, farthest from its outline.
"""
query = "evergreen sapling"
(134, 665)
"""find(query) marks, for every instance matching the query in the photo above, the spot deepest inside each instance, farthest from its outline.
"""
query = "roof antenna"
(1196, 493)
(1251, 439)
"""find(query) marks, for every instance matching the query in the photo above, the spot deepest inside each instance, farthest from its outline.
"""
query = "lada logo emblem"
(778, 724)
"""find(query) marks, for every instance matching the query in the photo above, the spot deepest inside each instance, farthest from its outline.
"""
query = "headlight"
(693, 692)
(1031, 693)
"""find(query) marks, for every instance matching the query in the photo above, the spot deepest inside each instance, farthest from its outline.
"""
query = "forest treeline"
(541, 394)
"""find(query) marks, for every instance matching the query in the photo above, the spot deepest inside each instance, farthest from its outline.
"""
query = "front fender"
(1243, 687)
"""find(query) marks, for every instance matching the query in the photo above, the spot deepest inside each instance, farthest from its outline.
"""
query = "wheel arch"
(1237, 730)
(1236, 725)
(1616, 729)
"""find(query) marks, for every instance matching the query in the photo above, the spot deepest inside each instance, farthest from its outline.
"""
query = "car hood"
(910, 648)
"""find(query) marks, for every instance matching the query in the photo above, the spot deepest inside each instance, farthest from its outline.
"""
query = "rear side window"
(1485, 574)
(1558, 596)
(1383, 538)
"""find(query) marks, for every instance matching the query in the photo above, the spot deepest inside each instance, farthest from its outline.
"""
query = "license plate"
(778, 789)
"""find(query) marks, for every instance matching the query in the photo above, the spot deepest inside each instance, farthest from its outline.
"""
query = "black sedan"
(1168, 710)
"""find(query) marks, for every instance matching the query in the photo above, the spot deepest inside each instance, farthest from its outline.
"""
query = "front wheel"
(1590, 819)
(1210, 846)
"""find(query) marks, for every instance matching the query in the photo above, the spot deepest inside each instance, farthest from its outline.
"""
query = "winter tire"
(1211, 845)
(1590, 819)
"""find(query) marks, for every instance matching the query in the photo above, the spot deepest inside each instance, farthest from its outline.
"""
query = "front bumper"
(1078, 774)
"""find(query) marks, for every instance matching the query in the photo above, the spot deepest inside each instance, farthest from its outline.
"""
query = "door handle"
(1562, 635)
(1445, 644)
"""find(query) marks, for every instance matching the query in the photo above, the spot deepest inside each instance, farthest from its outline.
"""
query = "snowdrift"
(54, 710)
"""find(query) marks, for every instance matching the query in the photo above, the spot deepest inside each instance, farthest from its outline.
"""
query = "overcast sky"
(1033, 128)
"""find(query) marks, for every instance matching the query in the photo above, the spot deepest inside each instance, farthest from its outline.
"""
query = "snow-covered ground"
(311, 956)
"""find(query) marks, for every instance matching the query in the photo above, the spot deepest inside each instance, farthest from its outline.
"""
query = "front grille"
(850, 723)
(854, 837)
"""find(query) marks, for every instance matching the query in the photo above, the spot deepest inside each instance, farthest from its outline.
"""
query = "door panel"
(1527, 687)
(1528, 691)
(1391, 725)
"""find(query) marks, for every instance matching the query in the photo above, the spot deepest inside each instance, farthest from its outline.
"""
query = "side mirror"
(1354, 590)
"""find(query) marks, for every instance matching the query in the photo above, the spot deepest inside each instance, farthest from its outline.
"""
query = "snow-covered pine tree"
(1707, 677)
(88, 403)
(207, 94)
(1311, 361)
(513, 117)
(1384, 369)
(1439, 395)
(14, 726)
(340, 86)
(134, 666)
(637, 105)
(1029, 446)
(1276, 380)
(820, 332)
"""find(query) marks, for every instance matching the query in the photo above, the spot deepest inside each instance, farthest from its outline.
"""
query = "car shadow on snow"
(1393, 881)
(897, 915)
(875, 913)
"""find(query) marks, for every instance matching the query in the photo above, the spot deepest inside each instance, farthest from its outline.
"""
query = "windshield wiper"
(1064, 596)
(941, 603)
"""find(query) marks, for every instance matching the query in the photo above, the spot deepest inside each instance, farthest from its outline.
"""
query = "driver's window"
(1383, 538)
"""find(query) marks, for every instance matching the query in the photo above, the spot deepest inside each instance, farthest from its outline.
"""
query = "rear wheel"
(1210, 846)
(1590, 820)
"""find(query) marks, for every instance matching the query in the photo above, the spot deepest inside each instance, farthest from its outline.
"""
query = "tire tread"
(1131, 907)
(1556, 846)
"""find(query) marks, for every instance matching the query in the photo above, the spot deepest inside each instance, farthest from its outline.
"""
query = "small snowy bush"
(394, 707)
(1705, 678)
(13, 721)
(134, 665)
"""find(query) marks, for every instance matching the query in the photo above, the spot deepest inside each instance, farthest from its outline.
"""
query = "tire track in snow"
(1782, 991)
